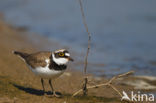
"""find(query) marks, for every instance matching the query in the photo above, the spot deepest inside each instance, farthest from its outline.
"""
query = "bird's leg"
(43, 85)
(52, 89)
(54, 93)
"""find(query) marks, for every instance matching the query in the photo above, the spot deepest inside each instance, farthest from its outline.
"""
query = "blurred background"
(123, 31)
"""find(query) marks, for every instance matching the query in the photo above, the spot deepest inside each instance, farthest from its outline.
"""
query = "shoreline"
(18, 84)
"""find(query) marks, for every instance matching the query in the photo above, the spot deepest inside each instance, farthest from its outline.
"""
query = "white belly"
(45, 72)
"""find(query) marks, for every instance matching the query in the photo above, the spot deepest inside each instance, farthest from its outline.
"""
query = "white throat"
(60, 61)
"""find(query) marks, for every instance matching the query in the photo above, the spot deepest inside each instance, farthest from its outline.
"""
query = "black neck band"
(55, 66)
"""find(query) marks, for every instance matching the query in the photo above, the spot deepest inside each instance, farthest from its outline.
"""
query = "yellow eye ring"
(61, 54)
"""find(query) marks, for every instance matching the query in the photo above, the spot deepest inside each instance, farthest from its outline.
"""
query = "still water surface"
(123, 31)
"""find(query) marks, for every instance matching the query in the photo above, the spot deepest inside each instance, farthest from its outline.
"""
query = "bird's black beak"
(70, 59)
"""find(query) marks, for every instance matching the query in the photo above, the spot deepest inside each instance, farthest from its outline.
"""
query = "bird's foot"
(57, 94)
(53, 94)
(46, 95)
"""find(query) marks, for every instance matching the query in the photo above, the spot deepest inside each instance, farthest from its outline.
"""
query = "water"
(123, 31)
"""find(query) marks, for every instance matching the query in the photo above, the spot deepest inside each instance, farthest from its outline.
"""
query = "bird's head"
(61, 57)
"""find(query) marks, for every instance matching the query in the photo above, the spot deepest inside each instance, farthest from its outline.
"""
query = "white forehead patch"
(61, 50)
(67, 54)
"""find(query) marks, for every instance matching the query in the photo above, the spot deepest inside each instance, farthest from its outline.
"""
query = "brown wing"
(38, 59)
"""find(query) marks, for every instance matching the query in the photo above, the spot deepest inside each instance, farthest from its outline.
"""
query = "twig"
(108, 83)
(86, 58)
(115, 90)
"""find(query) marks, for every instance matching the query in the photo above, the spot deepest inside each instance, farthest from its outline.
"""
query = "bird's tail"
(21, 54)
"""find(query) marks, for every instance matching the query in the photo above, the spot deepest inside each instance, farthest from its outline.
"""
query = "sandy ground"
(19, 85)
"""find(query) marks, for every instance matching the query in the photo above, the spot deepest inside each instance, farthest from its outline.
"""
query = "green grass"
(7, 88)
(89, 99)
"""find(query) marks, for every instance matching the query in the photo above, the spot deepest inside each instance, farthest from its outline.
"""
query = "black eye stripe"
(64, 52)
(56, 55)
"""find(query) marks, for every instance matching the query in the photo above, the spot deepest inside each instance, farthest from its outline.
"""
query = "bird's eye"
(61, 54)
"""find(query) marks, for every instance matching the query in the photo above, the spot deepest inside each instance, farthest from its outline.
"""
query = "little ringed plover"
(47, 65)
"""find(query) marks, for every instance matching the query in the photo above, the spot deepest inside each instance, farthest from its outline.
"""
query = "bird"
(47, 65)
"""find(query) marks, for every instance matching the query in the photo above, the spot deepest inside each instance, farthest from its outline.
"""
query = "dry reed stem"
(86, 58)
